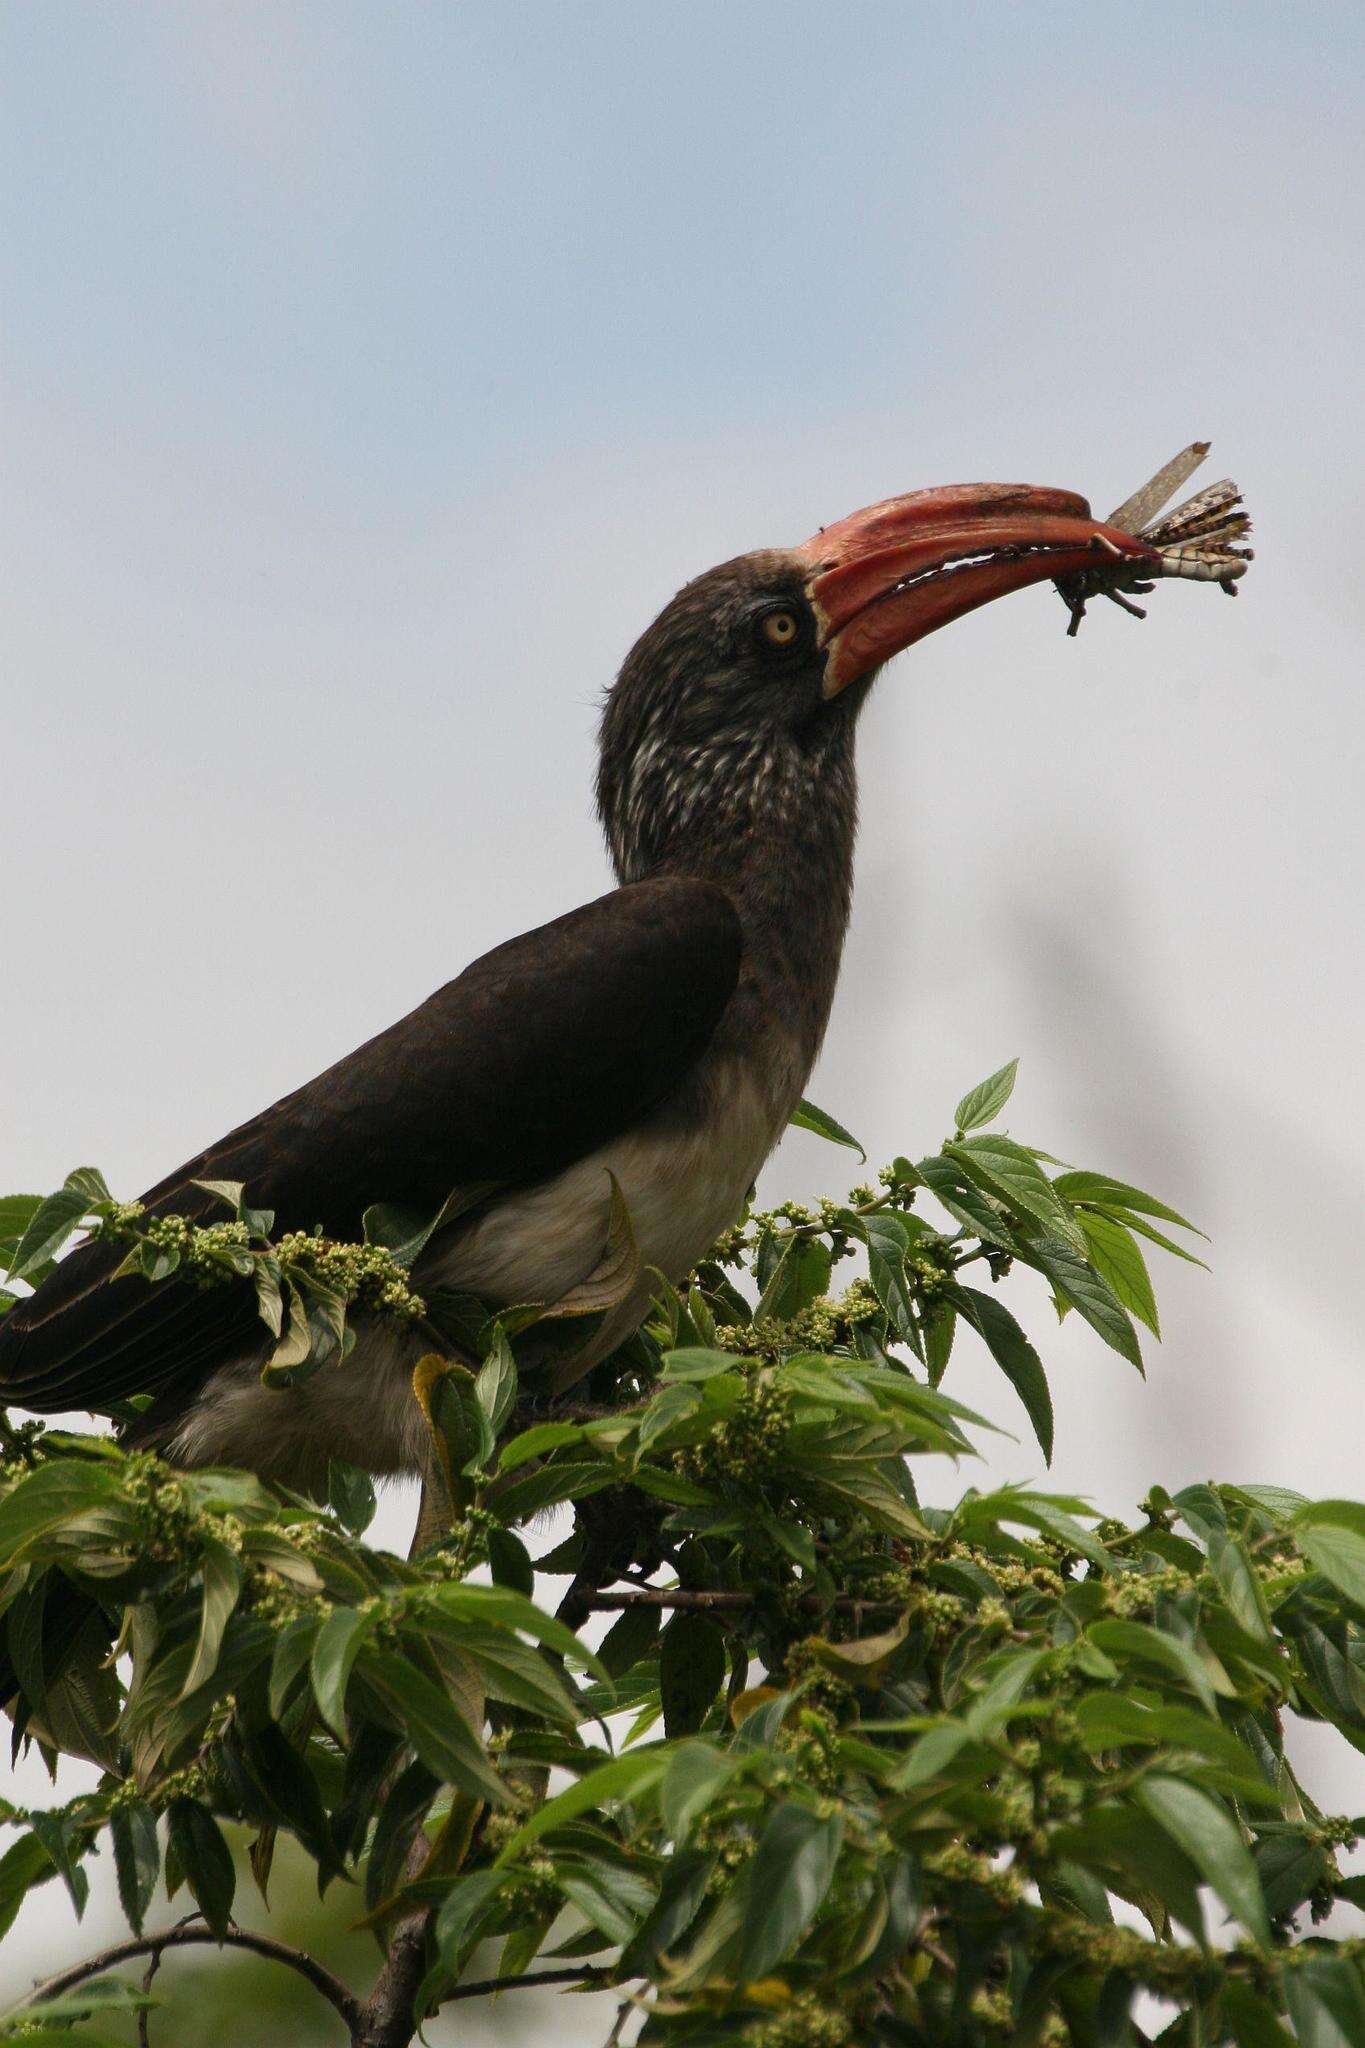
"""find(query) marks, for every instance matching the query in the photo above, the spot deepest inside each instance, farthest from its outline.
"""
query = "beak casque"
(884, 577)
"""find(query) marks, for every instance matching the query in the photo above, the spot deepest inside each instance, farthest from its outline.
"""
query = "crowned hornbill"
(661, 1035)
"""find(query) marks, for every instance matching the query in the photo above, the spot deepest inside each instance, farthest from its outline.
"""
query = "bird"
(652, 1044)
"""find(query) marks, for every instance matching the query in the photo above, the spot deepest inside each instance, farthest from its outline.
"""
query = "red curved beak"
(886, 576)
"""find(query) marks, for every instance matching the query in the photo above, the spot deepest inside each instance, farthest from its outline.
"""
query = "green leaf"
(1331, 1535)
(599, 1893)
(987, 1099)
(205, 1858)
(1201, 1826)
(293, 1647)
(1077, 1283)
(496, 1385)
(437, 1729)
(887, 1242)
(90, 1182)
(350, 1495)
(16, 1213)
(405, 1231)
(222, 1583)
(672, 1404)
(695, 1774)
(1015, 1356)
(24, 1864)
(1138, 1640)
(334, 1653)
(691, 1669)
(512, 1671)
(1117, 1258)
(624, 1777)
(137, 1859)
(1013, 1175)
(465, 1905)
(965, 1202)
(510, 1562)
(536, 1441)
(1254, 2021)
(806, 1117)
(631, 1636)
(681, 1897)
(48, 1229)
(500, 1607)
(1079, 1186)
(695, 1363)
(1326, 2002)
(57, 1493)
(787, 1882)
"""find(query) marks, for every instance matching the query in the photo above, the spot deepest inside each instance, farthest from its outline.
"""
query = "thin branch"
(144, 2018)
(342, 2000)
(579, 1973)
(679, 1596)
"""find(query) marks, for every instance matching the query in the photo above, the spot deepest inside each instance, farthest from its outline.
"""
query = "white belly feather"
(684, 1181)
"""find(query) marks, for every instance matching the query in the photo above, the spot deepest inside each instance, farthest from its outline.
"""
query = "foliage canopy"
(861, 1758)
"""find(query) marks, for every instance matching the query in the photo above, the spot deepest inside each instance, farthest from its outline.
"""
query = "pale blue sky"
(373, 373)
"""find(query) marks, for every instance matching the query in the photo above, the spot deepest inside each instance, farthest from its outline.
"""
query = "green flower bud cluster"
(364, 1273)
(992, 2009)
(812, 1744)
(960, 1865)
(747, 1446)
(806, 2023)
(534, 1890)
(1133, 1596)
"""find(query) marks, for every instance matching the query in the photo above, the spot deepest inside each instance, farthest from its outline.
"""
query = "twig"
(678, 1596)
(579, 1973)
(186, 1935)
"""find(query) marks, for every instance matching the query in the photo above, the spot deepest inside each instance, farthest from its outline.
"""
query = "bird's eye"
(779, 629)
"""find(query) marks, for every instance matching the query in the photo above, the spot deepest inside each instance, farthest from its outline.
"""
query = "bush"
(854, 1762)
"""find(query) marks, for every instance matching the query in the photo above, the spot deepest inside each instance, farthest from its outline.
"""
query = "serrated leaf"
(1326, 2002)
(1117, 1258)
(1331, 1535)
(350, 1495)
(987, 1099)
(90, 1182)
(405, 1231)
(24, 1864)
(464, 1906)
(1089, 1294)
(510, 1562)
(222, 1585)
(137, 1859)
(1078, 1185)
(631, 1636)
(1015, 1356)
(1011, 1173)
(54, 1220)
(692, 1362)
(1211, 1838)
(205, 1859)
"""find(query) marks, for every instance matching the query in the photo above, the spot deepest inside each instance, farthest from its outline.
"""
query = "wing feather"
(539, 1052)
